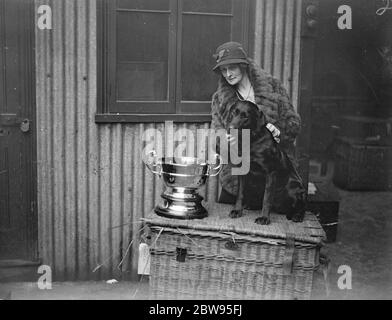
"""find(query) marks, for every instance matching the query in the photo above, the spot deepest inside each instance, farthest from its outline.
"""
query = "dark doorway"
(352, 77)
(18, 214)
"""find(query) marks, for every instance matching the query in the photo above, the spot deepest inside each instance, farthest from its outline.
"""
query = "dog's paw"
(298, 217)
(235, 213)
(263, 220)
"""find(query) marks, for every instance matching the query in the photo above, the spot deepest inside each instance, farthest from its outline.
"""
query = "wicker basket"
(223, 258)
(362, 166)
(363, 127)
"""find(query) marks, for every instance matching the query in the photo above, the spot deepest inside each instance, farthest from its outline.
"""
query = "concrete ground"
(364, 243)
(83, 290)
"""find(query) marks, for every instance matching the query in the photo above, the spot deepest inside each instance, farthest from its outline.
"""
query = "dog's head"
(246, 115)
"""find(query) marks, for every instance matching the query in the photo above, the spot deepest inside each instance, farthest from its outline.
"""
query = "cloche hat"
(228, 53)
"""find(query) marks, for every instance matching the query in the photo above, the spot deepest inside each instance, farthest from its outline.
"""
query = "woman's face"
(232, 73)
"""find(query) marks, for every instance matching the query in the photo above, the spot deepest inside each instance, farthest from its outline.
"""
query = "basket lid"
(308, 231)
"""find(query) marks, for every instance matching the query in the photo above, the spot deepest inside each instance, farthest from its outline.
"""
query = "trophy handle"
(218, 168)
(152, 166)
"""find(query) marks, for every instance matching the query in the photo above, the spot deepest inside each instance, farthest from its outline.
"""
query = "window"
(155, 56)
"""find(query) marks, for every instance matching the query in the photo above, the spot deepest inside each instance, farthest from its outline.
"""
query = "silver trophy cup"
(182, 178)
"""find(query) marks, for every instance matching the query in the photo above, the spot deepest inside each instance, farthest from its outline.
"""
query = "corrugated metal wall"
(92, 185)
(277, 41)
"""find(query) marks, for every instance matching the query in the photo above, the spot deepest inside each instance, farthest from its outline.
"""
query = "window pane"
(210, 6)
(144, 4)
(142, 56)
(201, 36)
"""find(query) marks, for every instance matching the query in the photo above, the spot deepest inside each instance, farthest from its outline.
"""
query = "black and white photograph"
(212, 151)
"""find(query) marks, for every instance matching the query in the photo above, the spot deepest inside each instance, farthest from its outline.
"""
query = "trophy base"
(181, 206)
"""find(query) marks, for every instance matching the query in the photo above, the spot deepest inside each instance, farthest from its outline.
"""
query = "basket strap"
(288, 254)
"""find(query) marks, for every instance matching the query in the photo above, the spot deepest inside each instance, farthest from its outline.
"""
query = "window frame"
(106, 69)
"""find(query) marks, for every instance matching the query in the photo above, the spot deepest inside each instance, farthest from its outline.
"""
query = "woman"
(242, 79)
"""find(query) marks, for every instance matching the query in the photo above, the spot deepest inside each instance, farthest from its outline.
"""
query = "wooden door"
(18, 219)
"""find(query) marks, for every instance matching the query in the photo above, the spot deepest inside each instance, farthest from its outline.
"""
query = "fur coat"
(272, 99)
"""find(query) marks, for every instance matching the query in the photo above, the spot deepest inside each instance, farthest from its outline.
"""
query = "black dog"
(270, 166)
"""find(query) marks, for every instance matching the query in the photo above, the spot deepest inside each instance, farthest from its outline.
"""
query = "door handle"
(25, 125)
(12, 120)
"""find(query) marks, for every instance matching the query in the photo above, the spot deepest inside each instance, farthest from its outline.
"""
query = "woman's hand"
(275, 131)
(231, 139)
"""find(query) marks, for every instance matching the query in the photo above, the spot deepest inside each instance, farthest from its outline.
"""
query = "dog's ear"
(261, 120)
(232, 110)
(253, 112)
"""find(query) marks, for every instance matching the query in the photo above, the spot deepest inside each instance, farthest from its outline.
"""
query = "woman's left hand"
(275, 131)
